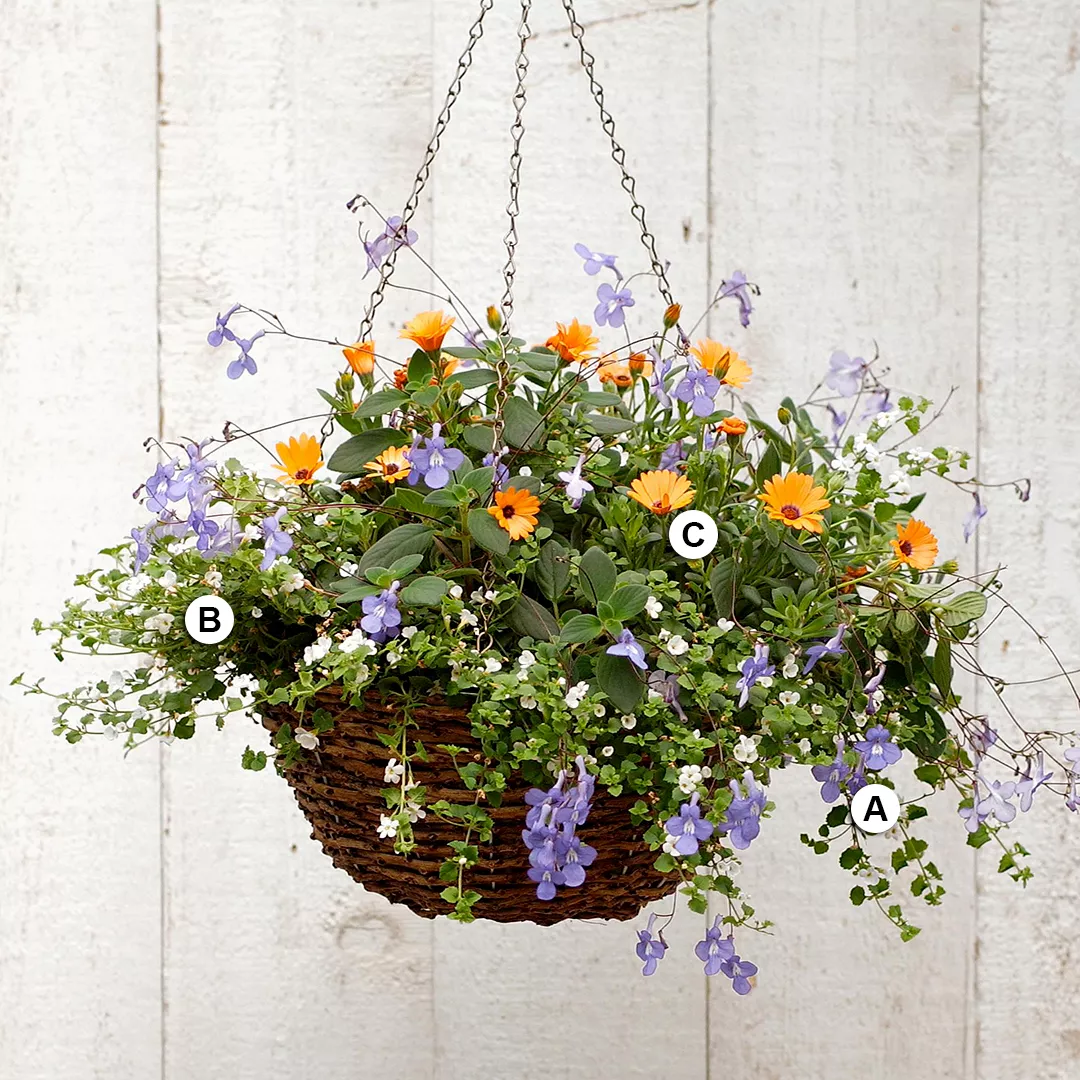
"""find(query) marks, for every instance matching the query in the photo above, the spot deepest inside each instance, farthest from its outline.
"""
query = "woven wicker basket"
(338, 788)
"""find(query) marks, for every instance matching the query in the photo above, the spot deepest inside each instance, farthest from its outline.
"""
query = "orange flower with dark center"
(732, 425)
(515, 511)
(391, 465)
(401, 377)
(619, 374)
(662, 491)
(915, 545)
(428, 329)
(300, 460)
(795, 501)
(724, 363)
(361, 357)
(573, 342)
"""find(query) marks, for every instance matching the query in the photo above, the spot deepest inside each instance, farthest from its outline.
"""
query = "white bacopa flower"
(256, 612)
(524, 471)
(392, 657)
(725, 626)
(476, 596)
(599, 711)
(670, 848)
(491, 665)
(388, 827)
(789, 697)
(293, 582)
(689, 778)
(252, 532)
(653, 608)
(307, 739)
(467, 618)
(317, 650)
(117, 680)
(869, 875)
(168, 581)
(409, 632)
(414, 811)
(596, 444)
(456, 591)
(576, 694)
(526, 660)
(664, 633)
(804, 746)
(321, 519)
(727, 866)
(746, 751)
(394, 771)
(629, 721)
(817, 710)
(677, 645)
(110, 732)
(491, 594)
(791, 666)
(213, 578)
(766, 681)
(357, 639)
(348, 569)
(529, 702)
(161, 623)
(607, 751)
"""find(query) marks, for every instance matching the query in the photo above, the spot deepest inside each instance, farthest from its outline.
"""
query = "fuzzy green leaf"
(485, 530)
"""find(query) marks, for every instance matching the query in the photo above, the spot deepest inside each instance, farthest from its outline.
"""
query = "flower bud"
(494, 318)
(672, 315)
(636, 362)
(950, 566)
(783, 415)
(345, 382)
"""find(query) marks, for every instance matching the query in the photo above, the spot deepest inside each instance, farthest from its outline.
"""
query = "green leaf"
(424, 592)
(420, 369)
(255, 761)
(857, 895)
(529, 618)
(942, 668)
(522, 424)
(967, 607)
(619, 679)
(905, 620)
(480, 437)
(579, 629)
(351, 596)
(479, 480)
(463, 352)
(596, 575)
(411, 539)
(485, 530)
(353, 454)
(600, 400)
(427, 397)
(769, 465)
(720, 585)
(442, 497)
(608, 425)
(552, 570)
(382, 401)
(525, 483)
(799, 558)
(405, 565)
(539, 361)
(626, 601)
(850, 857)
(473, 378)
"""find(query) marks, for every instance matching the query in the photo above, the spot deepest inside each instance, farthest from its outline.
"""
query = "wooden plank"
(569, 1001)
(275, 115)
(79, 836)
(845, 182)
(1028, 982)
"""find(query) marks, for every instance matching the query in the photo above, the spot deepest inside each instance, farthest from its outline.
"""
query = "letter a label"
(875, 808)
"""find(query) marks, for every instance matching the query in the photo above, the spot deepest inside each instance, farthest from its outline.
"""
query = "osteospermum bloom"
(619, 374)
(515, 511)
(915, 545)
(662, 491)
(391, 465)
(726, 364)
(795, 501)
(573, 342)
(361, 357)
(732, 425)
(300, 460)
(428, 329)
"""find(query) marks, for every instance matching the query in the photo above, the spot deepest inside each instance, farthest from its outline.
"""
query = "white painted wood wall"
(905, 173)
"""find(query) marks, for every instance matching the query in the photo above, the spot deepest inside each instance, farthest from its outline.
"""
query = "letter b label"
(209, 620)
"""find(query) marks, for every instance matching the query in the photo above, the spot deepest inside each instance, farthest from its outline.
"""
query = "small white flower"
(599, 711)
(629, 721)
(110, 732)
(467, 618)
(524, 471)
(789, 697)
(653, 608)
(348, 569)
(791, 667)
(528, 702)
(689, 778)
(476, 596)
(725, 626)
(664, 633)
(409, 632)
(160, 623)
(747, 751)
(677, 645)
(394, 771)
(607, 751)
(213, 578)
(293, 582)
(766, 681)
(804, 746)
(307, 739)
(491, 594)
(726, 866)
(392, 657)
(670, 848)
(817, 710)
(321, 519)
(576, 694)
(491, 665)
(256, 612)
(387, 827)
(252, 532)
(526, 660)
(168, 581)
(456, 591)
(869, 875)
(317, 650)
(357, 639)
(414, 811)
(596, 444)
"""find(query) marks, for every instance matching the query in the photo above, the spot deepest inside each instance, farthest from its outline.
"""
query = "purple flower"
(982, 740)
(574, 857)
(698, 388)
(878, 750)
(221, 331)
(742, 818)
(667, 686)
(858, 777)
(657, 379)
(228, 539)
(276, 541)
(502, 473)
(556, 855)
(576, 488)
(996, 803)
(433, 462)
(713, 949)
(845, 373)
(595, 261)
(739, 972)
(832, 776)
(872, 689)
(244, 362)
(629, 647)
(650, 949)
(671, 456)
(753, 668)
(1072, 756)
(1034, 777)
(547, 881)
(971, 814)
(381, 616)
(877, 403)
(611, 303)
(833, 647)
(393, 236)
(688, 827)
(142, 546)
(740, 288)
(204, 528)
(971, 522)
(839, 419)
(191, 482)
(157, 488)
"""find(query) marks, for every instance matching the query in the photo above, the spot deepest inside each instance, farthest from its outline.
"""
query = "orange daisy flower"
(662, 491)
(731, 425)
(573, 342)
(391, 465)
(619, 374)
(300, 460)
(915, 545)
(724, 363)
(428, 329)
(361, 357)
(515, 511)
(795, 501)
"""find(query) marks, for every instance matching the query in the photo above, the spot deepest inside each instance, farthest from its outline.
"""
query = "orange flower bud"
(732, 425)
(672, 316)
(494, 318)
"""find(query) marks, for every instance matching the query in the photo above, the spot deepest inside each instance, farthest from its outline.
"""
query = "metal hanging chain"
(476, 32)
(618, 154)
(517, 133)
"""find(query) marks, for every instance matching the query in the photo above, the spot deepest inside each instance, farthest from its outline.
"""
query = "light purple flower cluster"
(611, 301)
(877, 749)
(382, 619)
(698, 389)
(742, 818)
(688, 828)
(754, 668)
(672, 455)
(650, 950)
(276, 541)
(576, 487)
(631, 648)
(846, 373)
(667, 686)
(501, 472)
(738, 287)
(557, 856)
(221, 333)
(432, 461)
(658, 379)
(393, 236)
(833, 647)
(715, 951)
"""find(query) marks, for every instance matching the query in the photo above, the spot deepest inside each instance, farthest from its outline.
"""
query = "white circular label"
(693, 534)
(875, 808)
(209, 619)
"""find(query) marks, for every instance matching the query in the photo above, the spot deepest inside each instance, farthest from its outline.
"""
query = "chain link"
(386, 271)
(618, 154)
(517, 133)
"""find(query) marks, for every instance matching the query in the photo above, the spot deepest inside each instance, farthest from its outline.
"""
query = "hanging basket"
(339, 789)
